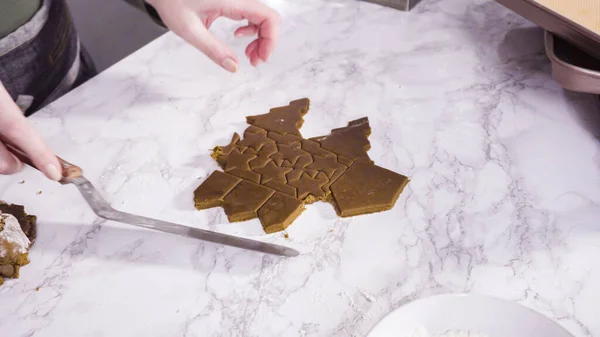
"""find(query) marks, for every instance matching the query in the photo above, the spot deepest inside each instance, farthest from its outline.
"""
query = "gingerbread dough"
(273, 172)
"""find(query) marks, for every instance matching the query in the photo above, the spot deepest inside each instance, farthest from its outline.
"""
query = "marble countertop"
(504, 198)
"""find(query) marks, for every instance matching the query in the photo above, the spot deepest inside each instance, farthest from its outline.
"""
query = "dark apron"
(43, 59)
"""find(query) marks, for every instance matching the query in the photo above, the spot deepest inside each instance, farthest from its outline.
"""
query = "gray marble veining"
(504, 198)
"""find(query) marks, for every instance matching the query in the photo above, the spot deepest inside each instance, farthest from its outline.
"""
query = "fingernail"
(230, 65)
(53, 172)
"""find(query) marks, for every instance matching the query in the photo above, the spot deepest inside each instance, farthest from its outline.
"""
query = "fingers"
(268, 35)
(249, 30)
(252, 48)
(21, 134)
(252, 52)
(9, 164)
(191, 19)
(196, 34)
(15, 128)
(210, 19)
(263, 17)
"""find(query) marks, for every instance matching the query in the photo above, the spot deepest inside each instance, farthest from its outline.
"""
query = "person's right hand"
(15, 128)
(191, 19)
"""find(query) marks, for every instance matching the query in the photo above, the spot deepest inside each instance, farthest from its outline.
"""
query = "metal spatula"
(72, 174)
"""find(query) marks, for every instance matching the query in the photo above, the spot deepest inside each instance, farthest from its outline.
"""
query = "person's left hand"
(191, 19)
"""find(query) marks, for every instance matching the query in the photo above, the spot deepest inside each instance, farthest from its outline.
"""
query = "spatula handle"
(69, 171)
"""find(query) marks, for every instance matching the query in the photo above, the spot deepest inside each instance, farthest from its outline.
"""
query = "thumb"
(196, 34)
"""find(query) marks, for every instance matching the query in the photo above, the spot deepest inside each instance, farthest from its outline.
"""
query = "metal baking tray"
(573, 31)
(572, 68)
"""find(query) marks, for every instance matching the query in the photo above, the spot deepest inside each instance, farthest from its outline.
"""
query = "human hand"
(191, 19)
(15, 128)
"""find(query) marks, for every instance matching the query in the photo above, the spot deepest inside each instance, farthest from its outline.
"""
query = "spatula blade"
(104, 210)
(73, 174)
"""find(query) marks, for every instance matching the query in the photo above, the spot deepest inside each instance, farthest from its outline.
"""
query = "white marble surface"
(504, 198)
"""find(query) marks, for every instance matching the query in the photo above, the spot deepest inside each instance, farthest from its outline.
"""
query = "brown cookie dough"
(273, 172)
(377, 190)
(14, 252)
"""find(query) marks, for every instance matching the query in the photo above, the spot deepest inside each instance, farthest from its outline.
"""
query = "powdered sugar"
(12, 234)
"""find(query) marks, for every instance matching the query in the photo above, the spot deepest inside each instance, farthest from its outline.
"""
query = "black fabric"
(37, 67)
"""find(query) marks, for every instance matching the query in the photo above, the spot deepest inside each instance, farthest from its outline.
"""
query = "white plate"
(483, 315)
